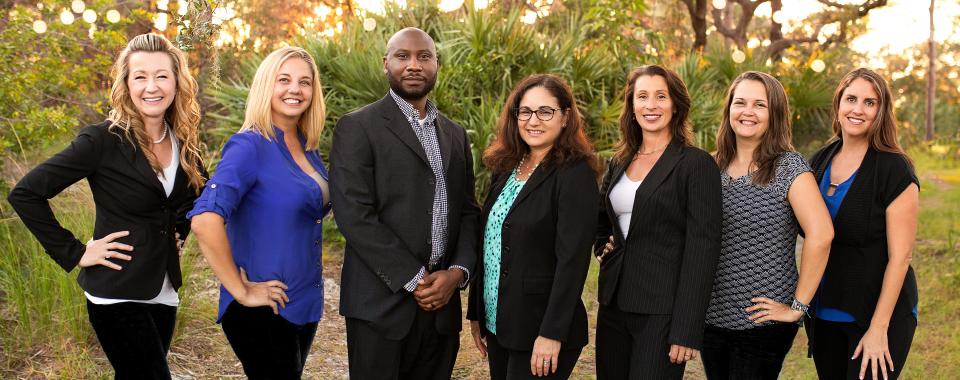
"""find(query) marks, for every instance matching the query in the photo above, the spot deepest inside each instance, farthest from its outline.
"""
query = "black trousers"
(423, 354)
(835, 342)
(135, 336)
(268, 346)
(507, 364)
(634, 346)
(752, 354)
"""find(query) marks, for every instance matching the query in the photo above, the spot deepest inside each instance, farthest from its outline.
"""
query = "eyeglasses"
(544, 113)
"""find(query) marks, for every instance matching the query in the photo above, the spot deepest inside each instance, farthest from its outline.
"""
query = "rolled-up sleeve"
(235, 174)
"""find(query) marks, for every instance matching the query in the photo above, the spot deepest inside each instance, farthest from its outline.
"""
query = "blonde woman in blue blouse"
(270, 189)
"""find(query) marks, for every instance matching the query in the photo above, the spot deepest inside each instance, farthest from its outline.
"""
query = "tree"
(931, 78)
(844, 15)
(698, 19)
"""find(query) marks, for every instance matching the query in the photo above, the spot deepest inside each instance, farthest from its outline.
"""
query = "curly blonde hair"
(183, 115)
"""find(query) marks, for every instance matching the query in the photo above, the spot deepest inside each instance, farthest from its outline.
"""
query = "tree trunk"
(776, 30)
(931, 77)
(698, 20)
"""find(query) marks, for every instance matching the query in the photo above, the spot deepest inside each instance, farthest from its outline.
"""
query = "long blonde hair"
(183, 115)
(258, 116)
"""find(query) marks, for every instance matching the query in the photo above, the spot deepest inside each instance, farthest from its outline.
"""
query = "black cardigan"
(858, 255)
(127, 196)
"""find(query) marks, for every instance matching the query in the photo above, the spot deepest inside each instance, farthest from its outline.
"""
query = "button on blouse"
(272, 211)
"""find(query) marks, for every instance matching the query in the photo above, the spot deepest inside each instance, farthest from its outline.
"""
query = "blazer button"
(213, 186)
(319, 221)
(163, 233)
(316, 242)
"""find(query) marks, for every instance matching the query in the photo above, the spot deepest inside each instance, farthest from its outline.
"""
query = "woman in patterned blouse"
(767, 188)
(539, 217)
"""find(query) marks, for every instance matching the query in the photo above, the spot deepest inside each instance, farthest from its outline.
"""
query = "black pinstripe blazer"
(667, 262)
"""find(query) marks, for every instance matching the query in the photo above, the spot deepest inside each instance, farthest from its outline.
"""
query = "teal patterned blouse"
(491, 248)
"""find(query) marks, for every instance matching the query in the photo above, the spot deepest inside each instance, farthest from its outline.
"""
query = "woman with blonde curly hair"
(259, 220)
(144, 168)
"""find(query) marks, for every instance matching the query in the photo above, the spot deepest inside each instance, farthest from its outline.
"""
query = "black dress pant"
(634, 346)
(423, 354)
(268, 346)
(135, 336)
(507, 364)
(835, 342)
(752, 354)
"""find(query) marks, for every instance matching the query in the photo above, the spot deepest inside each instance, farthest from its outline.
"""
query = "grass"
(44, 332)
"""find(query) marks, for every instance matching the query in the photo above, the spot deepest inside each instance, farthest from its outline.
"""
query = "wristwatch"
(796, 305)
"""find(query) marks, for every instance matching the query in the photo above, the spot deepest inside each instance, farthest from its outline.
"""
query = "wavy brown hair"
(882, 135)
(775, 141)
(183, 115)
(631, 136)
(507, 148)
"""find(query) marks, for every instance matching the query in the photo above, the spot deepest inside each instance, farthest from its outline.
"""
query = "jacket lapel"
(617, 172)
(398, 124)
(540, 174)
(138, 160)
(444, 139)
(660, 171)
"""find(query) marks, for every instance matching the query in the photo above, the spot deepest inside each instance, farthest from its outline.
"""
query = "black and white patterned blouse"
(757, 244)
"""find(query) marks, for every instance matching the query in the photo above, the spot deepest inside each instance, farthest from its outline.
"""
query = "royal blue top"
(273, 213)
(833, 205)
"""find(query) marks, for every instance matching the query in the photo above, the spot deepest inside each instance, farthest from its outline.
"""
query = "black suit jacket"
(127, 196)
(667, 263)
(858, 254)
(382, 189)
(545, 255)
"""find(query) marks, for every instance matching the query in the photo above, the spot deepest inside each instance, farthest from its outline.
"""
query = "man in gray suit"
(403, 196)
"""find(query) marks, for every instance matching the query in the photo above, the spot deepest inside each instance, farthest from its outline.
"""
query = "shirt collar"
(411, 113)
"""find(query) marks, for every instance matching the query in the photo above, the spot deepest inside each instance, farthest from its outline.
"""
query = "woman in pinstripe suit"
(659, 235)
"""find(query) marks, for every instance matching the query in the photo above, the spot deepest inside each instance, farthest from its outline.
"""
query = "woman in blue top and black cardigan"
(865, 310)
(270, 188)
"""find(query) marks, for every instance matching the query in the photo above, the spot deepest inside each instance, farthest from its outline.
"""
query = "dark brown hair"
(775, 141)
(630, 134)
(882, 135)
(507, 148)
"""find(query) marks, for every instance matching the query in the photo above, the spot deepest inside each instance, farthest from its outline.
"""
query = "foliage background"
(55, 82)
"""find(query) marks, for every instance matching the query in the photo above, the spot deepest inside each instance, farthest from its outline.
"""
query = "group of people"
(696, 251)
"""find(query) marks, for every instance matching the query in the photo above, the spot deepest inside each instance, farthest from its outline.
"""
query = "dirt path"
(201, 351)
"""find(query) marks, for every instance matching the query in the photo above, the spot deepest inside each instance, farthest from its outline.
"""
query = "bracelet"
(796, 305)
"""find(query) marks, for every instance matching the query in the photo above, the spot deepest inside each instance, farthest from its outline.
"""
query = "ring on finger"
(108, 255)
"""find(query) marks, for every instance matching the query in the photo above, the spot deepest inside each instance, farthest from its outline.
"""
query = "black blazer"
(858, 254)
(382, 189)
(127, 196)
(545, 256)
(667, 263)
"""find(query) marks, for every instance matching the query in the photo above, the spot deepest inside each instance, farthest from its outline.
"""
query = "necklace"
(520, 168)
(655, 151)
(166, 127)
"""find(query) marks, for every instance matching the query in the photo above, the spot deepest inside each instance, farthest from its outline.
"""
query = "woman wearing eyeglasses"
(539, 218)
